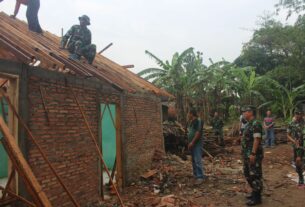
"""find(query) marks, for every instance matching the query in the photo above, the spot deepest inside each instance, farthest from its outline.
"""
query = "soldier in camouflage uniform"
(252, 154)
(79, 41)
(217, 125)
(296, 134)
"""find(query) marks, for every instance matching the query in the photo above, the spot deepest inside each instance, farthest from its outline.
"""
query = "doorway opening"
(110, 144)
(9, 84)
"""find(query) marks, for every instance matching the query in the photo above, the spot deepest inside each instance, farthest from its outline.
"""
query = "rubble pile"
(174, 137)
(281, 135)
(176, 142)
(170, 182)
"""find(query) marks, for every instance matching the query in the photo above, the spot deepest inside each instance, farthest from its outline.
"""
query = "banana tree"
(288, 98)
(170, 76)
(248, 85)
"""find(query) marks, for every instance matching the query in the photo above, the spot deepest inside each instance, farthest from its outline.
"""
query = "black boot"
(74, 57)
(301, 180)
(255, 200)
(301, 177)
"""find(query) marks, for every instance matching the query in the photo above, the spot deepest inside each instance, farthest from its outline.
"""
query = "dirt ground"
(171, 182)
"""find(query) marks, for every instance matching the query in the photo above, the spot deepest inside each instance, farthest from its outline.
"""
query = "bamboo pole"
(31, 136)
(103, 50)
(10, 179)
(14, 195)
(96, 146)
(44, 104)
(22, 167)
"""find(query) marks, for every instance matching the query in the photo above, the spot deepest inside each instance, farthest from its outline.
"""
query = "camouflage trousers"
(219, 134)
(78, 48)
(253, 174)
(299, 152)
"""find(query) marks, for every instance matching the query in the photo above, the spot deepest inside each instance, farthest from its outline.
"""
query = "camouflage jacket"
(252, 129)
(296, 129)
(217, 123)
(77, 33)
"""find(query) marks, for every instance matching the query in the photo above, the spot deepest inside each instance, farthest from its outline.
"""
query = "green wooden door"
(108, 134)
(3, 155)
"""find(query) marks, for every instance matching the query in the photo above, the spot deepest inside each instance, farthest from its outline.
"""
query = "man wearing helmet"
(78, 41)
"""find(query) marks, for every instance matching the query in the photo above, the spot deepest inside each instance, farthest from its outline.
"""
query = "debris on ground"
(169, 182)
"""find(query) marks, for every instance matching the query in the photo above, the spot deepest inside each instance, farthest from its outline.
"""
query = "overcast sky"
(218, 28)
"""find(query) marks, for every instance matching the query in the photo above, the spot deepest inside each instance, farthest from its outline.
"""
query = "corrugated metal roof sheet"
(19, 44)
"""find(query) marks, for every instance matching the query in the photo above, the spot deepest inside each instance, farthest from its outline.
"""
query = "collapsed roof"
(17, 43)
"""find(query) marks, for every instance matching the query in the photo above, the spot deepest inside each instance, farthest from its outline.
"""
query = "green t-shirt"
(193, 127)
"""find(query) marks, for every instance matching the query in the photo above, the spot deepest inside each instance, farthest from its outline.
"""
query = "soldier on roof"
(31, 13)
(78, 41)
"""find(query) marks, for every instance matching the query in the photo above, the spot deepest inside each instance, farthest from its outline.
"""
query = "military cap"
(248, 108)
(85, 18)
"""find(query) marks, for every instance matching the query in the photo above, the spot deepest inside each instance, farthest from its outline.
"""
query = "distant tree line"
(269, 73)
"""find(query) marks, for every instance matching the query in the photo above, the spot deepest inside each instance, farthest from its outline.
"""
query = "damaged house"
(50, 93)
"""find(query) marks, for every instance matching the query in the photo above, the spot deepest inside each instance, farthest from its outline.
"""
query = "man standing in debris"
(269, 129)
(79, 41)
(195, 145)
(217, 125)
(31, 13)
(296, 134)
(252, 152)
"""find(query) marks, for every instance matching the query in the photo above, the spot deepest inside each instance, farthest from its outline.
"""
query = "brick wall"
(143, 134)
(68, 145)
(66, 141)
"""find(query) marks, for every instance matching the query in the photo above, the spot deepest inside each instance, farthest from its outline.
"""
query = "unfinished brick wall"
(66, 141)
(68, 145)
(143, 133)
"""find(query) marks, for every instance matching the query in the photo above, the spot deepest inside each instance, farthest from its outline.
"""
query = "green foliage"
(293, 6)
(287, 98)
(277, 50)
(269, 73)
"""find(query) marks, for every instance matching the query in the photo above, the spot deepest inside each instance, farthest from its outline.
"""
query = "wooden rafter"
(93, 138)
(43, 154)
(22, 167)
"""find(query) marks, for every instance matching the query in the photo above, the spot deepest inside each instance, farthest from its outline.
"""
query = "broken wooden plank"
(17, 197)
(22, 167)
(96, 146)
(8, 201)
(149, 174)
(44, 156)
(10, 179)
(44, 104)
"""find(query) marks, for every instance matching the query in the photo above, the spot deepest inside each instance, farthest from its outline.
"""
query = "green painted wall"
(108, 135)
(3, 155)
